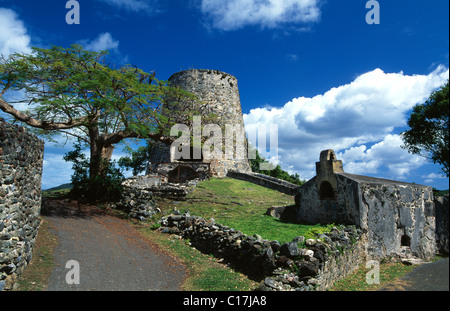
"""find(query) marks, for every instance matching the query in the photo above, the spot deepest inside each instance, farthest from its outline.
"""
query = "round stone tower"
(217, 91)
(218, 95)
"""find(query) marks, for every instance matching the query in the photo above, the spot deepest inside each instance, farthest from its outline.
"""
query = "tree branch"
(5, 107)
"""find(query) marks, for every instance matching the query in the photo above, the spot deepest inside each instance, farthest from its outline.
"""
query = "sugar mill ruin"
(394, 219)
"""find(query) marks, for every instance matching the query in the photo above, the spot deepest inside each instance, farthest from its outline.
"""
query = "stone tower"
(218, 95)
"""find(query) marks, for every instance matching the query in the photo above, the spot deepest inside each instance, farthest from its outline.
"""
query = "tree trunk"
(101, 153)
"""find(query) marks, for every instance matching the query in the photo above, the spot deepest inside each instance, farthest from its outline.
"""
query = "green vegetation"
(235, 203)
(206, 273)
(389, 272)
(36, 275)
(104, 187)
(57, 192)
(77, 93)
(428, 135)
(242, 205)
(440, 192)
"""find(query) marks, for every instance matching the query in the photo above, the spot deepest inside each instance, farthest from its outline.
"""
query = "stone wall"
(21, 160)
(179, 172)
(398, 216)
(266, 181)
(301, 265)
(400, 220)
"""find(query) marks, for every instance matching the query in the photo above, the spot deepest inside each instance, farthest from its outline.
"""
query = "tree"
(139, 159)
(428, 135)
(74, 92)
(106, 187)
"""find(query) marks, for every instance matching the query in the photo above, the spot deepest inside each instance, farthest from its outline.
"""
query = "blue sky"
(315, 68)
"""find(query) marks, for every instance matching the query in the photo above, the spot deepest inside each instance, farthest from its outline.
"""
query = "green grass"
(36, 275)
(205, 273)
(242, 205)
(57, 193)
(238, 204)
(389, 273)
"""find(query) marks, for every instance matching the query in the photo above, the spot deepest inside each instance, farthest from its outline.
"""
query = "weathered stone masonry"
(299, 265)
(218, 95)
(399, 217)
(21, 160)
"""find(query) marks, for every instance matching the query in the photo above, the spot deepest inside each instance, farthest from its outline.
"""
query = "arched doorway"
(326, 191)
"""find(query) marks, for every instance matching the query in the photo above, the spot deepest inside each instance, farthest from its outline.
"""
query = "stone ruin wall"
(21, 162)
(400, 220)
(398, 217)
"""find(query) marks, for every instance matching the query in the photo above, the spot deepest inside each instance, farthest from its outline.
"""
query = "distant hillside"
(60, 187)
(440, 192)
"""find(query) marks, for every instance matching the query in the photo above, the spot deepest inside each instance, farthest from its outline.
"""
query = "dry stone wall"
(21, 160)
(266, 181)
(299, 265)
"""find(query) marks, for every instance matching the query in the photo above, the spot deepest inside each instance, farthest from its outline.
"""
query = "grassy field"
(242, 206)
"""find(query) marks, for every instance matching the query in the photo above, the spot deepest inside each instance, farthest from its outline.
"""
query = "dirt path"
(110, 253)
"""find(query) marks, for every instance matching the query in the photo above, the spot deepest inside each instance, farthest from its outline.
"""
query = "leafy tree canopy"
(75, 92)
(428, 135)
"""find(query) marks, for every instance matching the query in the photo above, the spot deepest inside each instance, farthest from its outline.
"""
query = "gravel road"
(111, 254)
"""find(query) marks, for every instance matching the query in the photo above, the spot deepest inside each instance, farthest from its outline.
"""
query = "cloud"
(56, 171)
(142, 6)
(13, 34)
(236, 14)
(386, 153)
(293, 58)
(103, 42)
(359, 120)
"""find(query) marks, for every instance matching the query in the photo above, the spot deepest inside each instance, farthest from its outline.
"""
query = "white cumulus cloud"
(104, 41)
(357, 120)
(235, 14)
(13, 34)
(145, 6)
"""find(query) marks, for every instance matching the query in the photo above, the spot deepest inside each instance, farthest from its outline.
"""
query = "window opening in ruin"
(406, 241)
(326, 191)
(182, 174)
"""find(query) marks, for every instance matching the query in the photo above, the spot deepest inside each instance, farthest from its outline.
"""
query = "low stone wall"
(21, 160)
(313, 264)
(266, 181)
(138, 195)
